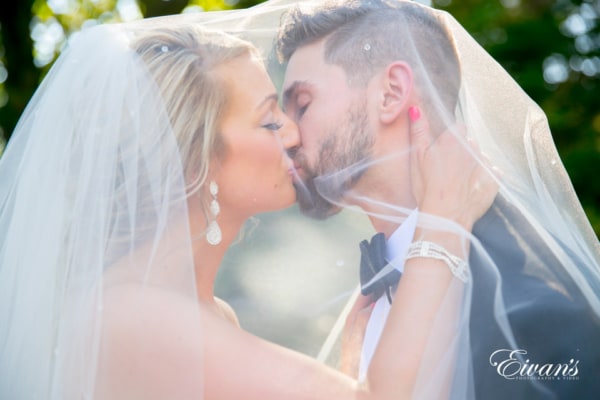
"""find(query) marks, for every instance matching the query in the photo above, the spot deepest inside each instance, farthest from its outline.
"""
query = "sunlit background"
(289, 277)
(551, 47)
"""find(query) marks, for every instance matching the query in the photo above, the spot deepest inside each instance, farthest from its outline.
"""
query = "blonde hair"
(184, 61)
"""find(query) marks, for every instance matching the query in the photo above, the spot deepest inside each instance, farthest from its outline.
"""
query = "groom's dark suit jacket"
(553, 324)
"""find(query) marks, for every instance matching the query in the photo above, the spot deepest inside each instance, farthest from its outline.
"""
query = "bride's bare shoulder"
(158, 344)
(122, 302)
(148, 334)
(147, 300)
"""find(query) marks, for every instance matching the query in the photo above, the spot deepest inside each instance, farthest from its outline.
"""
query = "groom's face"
(333, 124)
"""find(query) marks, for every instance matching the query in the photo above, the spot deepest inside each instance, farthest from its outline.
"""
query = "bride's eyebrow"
(272, 97)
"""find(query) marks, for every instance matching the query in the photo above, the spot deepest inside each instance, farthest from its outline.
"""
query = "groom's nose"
(290, 136)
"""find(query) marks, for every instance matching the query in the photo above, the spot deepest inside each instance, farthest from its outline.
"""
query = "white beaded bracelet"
(426, 249)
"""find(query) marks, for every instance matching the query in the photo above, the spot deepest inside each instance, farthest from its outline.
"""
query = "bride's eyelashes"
(271, 121)
(273, 126)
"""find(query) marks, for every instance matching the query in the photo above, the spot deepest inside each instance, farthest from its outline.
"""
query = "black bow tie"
(372, 260)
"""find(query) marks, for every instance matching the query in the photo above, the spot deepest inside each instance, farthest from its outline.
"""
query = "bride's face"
(255, 172)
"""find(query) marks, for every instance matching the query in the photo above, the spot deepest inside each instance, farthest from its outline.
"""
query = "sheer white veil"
(534, 258)
(92, 175)
(94, 196)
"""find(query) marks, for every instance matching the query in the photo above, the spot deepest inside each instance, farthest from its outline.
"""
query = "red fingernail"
(414, 113)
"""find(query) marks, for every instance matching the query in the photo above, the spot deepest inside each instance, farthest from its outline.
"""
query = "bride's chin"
(277, 202)
(287, 199)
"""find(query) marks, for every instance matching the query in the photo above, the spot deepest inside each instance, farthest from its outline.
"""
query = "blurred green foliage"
(551, 47)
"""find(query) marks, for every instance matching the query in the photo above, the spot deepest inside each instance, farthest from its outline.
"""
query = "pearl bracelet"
(426, 249)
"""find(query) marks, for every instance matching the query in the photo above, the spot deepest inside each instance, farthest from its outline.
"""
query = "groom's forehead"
(307, 65)
(308, 56)
(299, 71)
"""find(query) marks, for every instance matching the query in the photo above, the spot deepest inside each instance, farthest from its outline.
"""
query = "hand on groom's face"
(449, 174)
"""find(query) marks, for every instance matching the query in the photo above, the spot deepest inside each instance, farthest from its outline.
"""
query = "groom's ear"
(396, 89)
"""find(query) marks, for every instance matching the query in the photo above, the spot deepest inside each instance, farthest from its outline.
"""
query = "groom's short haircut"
(364, 36)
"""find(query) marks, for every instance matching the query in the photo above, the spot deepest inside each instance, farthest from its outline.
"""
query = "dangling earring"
(213, 233)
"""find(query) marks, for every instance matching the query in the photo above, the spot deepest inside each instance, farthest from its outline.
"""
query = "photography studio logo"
(516, 365)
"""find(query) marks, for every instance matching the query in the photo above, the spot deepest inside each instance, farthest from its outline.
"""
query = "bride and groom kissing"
(172, 136)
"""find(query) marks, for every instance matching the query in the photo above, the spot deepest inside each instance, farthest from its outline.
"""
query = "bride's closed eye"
(273, 126)
(271, 121)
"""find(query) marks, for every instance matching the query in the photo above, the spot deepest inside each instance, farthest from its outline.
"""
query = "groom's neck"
(385, 195)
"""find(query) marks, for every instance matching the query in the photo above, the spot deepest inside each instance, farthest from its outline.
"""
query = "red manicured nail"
(414, 113)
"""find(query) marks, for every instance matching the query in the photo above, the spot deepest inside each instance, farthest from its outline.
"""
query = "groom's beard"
(326, 182)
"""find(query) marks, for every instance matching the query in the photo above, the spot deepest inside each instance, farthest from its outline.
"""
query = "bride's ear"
(397, 84)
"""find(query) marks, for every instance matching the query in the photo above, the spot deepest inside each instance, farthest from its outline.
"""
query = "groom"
(330, 88)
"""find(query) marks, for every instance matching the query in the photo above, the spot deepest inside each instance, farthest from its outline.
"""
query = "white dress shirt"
(396, 250)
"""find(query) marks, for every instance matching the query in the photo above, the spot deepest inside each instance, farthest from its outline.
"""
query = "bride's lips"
(292, 170)
(297, 170)
(294, 174)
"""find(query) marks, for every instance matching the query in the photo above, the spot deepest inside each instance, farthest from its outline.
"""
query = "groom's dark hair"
(364, 36)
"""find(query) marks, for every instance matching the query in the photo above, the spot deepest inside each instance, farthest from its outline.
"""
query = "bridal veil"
(529, 310)
(93, 195)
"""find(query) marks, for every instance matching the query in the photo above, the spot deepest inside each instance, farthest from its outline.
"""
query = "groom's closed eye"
(302, 103)
(296, 99)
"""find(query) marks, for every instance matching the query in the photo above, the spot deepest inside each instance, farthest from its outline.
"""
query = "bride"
(130, 173)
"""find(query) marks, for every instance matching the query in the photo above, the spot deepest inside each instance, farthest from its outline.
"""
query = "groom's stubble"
(338, 165)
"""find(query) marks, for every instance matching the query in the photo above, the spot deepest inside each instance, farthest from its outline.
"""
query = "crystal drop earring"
(213, 233)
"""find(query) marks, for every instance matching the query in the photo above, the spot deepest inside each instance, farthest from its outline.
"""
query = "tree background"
(550, 47)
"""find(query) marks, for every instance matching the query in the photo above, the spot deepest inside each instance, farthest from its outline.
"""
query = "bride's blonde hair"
(184, 61)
